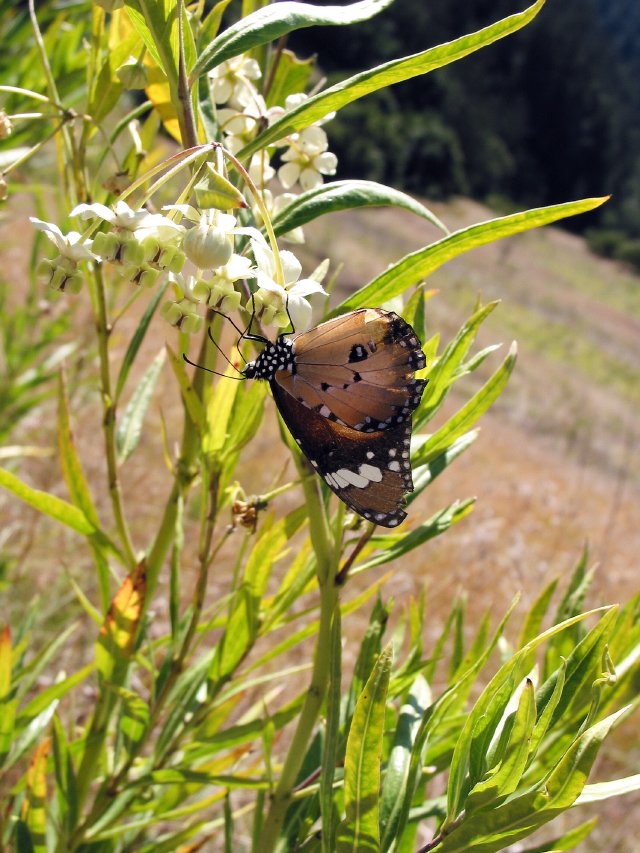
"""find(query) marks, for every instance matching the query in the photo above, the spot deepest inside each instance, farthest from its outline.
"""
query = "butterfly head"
(274, 357)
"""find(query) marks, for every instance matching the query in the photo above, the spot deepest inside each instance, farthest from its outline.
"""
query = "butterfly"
(346, 391)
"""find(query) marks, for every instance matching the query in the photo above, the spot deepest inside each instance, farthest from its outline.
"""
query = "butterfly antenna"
(215, 372)
(222, 352)
(291, 323)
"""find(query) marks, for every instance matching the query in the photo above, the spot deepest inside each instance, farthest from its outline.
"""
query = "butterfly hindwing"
(370, 472)
(358, 370)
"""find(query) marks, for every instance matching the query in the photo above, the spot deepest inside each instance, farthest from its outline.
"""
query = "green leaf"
(445, 369)
(191, 400)
(157, 23)
(396, 793)
(533, 622)
(381, 77)
(468, 414)
(497, 828)
(291, 76)
(418, 265)
(396, 545)
(270, 23)
(346, 195)
(512, 671)
(130, 427)
(138, 337)
(47, 504)
(605, 790)
(134, 719)
(424, 475)
(211, 23)
(503, 779)
(360, 829)
(568, 840)
(51, 694)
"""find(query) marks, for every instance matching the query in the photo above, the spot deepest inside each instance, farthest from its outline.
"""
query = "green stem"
(326, 557)
(103, 331)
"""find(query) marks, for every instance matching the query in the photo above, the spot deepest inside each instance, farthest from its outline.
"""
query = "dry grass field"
(557, 463)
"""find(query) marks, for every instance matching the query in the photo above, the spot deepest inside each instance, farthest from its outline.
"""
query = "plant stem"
(326, 565)
(103, 331)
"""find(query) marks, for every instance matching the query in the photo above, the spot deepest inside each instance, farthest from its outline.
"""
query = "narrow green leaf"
(360, 829)
(514, 669)
(191, 401)
(415, 267)
(605, 790)
(138, 337)
(270, 23)
(211, 23)
(65, 779)
(396, 71)
(134, 718)
(503, 779)
(424, 475)
(396, 545)
(69, 459)
(516, 818)
(568, 840)
(544, 720)
(468, 414)
(292, 76)
(51, 694)
(347, 195)
(395, 791)
(533, 620)
(130, 427)
(444, 370)
(47, 504)
(157, 24)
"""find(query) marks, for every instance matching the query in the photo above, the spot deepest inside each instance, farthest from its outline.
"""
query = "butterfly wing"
(358, 370)
(370, 472)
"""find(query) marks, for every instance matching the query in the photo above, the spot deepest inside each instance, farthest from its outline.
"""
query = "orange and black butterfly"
(346, 390)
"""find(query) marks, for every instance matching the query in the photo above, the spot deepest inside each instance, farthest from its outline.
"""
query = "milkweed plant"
(188, 148)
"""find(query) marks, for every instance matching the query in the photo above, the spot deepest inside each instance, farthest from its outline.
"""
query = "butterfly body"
(346, 390)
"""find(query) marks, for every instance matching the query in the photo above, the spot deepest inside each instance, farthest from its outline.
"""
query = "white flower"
(61, 272)
(232, 79)
(293, 296)
(70, 246)
(307, 159)
(141, 223)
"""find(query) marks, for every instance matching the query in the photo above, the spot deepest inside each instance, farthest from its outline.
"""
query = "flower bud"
(207, 246)
(191, 324)
(73, 284)
(6, 127)
(133, 74)
(171, 313)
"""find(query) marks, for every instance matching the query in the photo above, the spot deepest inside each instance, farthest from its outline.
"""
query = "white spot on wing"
(394, 466)
(352, 478)
(371, 472)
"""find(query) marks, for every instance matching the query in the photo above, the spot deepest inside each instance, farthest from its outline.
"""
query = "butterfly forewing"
(370, 472)
(358, 370)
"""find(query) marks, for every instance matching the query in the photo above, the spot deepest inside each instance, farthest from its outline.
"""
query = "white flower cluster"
(242, 113)
(143, 245)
